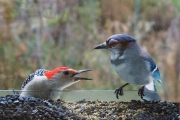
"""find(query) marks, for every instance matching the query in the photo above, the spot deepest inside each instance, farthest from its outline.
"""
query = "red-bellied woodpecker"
(46, 84)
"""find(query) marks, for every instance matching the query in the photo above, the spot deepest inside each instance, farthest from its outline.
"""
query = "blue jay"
(131, 62)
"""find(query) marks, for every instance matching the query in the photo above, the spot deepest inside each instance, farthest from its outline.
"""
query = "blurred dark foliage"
(48, 34)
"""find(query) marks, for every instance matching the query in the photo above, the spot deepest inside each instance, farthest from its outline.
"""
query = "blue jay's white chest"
(119, 63)
(132, 69)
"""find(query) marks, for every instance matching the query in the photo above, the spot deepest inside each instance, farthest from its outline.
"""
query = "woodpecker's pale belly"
(36, 91)
(41, 89)
(135, 72)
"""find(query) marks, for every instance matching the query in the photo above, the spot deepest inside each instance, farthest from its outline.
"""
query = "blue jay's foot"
(141, 92)
(119, 91)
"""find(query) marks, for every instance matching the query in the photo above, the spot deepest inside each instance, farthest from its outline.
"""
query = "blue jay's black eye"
(66, 72)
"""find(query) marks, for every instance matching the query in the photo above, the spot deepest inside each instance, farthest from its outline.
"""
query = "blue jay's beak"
(81, 78)
(101, 46)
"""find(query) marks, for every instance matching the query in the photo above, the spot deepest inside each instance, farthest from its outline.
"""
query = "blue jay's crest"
(122, 38)
(38, 72)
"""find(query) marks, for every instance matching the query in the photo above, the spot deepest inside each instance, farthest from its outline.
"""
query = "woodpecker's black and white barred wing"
(38, 72)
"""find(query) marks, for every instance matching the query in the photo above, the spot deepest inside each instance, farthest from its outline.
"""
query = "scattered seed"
(17, 107)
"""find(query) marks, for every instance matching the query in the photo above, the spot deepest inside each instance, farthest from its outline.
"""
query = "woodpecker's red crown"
(51, 73)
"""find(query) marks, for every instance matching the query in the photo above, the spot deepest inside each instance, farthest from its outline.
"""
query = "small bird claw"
(119, 91)
(141, 92)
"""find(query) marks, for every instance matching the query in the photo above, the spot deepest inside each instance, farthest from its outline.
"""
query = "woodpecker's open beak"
(81, 78)
(101, 46)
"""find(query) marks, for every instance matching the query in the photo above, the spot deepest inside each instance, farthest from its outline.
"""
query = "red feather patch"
(50, 74)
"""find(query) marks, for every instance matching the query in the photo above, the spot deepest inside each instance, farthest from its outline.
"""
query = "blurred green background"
(52, 33)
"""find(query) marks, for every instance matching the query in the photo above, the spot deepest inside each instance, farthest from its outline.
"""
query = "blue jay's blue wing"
(38, 72)
(155, 71)
(153, 68)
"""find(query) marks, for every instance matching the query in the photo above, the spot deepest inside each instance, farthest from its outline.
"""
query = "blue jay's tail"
(155, 89)
(150, 92)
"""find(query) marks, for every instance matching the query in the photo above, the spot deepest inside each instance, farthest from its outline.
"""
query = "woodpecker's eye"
(66, 72)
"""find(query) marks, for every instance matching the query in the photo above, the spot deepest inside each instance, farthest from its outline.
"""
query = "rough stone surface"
(15, 107)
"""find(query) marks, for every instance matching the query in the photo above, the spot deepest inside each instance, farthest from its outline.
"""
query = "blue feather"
(153, 68)
(156, 76)
(155, 71)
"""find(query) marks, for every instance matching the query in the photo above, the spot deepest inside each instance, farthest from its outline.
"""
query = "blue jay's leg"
(119, 91)
(141, 92)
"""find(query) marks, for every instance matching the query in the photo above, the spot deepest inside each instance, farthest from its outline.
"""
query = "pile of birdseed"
(16, 107)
